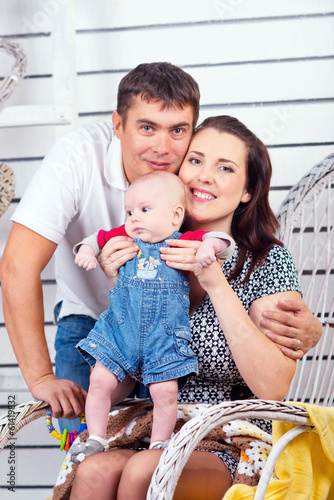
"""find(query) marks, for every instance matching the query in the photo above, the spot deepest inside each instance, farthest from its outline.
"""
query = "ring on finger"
(195, 251)
(298, 345)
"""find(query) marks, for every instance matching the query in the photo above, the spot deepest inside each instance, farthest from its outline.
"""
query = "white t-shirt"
(78, 189)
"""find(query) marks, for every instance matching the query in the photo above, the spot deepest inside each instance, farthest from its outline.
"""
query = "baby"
(146, 326)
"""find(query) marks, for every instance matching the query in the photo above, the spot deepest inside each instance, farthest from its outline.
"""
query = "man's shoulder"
(98, 131)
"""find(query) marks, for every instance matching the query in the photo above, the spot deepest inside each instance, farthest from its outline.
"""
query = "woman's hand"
(116, 252)
(181, 254)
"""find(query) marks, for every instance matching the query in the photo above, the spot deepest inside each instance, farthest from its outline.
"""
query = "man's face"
(153, 138)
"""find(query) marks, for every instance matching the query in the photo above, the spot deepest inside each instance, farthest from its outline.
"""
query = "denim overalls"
(146, 326)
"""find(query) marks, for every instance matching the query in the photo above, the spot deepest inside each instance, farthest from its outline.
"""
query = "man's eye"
(178, 131)
(147, 128)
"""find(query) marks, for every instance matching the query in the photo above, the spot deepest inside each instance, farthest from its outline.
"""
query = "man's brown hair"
(160, 81)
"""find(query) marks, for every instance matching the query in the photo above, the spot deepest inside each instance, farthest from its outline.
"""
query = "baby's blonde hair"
(168, 181)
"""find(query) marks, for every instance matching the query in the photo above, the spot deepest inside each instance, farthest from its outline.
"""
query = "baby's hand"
(86, 258)
(205, 255)
(209, 248)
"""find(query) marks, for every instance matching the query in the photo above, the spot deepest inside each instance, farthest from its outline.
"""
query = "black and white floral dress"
(219, 378)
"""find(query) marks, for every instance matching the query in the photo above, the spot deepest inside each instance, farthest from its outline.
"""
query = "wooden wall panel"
(36, 16)
(222, 85)
(269, 63)
(10, 359)
(191, 45)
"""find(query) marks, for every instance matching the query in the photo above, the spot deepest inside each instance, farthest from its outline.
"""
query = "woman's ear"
(179, 214)
(246, 196)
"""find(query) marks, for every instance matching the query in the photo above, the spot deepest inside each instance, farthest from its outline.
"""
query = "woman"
(227, 175)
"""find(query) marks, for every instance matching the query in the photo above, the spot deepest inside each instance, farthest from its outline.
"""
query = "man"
(81, 183)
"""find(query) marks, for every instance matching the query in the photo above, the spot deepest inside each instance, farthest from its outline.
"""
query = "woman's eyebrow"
(226, 160)
(196, 153)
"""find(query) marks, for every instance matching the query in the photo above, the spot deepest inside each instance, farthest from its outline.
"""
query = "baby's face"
(150, 213)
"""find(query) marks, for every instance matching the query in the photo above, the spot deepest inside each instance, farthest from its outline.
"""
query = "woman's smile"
(202, 195)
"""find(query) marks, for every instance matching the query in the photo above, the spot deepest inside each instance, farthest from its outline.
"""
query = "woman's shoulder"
(279, 251)
(278, 271)
(278, 258)
(276, 253)
(279, 255)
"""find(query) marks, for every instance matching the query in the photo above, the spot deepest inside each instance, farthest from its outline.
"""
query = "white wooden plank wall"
(269, 63)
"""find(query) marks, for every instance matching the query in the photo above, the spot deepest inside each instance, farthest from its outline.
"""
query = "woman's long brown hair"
(254, 224)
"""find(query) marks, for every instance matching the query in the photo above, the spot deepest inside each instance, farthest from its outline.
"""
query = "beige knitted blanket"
(130, 427)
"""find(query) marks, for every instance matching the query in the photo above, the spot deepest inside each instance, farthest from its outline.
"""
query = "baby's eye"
(129, 213)
(145, 209)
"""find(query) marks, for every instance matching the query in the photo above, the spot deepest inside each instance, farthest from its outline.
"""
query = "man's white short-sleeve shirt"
(78, 189)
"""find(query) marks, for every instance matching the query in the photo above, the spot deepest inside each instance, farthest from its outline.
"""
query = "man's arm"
(25, 256)
(293, 321)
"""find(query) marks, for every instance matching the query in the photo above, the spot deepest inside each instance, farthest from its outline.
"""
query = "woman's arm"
(263, 366)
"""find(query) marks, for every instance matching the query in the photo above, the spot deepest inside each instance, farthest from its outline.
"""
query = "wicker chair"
(307, 230)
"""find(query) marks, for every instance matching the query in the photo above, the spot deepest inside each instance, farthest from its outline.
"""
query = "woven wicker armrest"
(16, 418)
(175, 457)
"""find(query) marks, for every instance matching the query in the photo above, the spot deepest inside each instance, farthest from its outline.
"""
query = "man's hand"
(66, 398)
(116, 252)
(284, 327)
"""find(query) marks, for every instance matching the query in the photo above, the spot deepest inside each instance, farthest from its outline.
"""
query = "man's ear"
(179, 213)
(246, 196)
(117, 123)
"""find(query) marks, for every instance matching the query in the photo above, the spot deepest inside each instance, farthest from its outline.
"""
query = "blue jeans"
(70, 364)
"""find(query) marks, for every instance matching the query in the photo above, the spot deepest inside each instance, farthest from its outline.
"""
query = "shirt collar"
(113, 167)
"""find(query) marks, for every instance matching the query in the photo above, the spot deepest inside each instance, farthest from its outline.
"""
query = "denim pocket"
(182, 338)
(175, 310)
(118, 305)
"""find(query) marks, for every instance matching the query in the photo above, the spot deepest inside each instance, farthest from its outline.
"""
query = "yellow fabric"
(305, 468)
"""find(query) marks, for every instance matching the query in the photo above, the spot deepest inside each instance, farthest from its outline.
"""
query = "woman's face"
(214, 173)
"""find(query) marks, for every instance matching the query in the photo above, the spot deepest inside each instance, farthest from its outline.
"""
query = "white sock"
(100, 440)
(159, 445)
